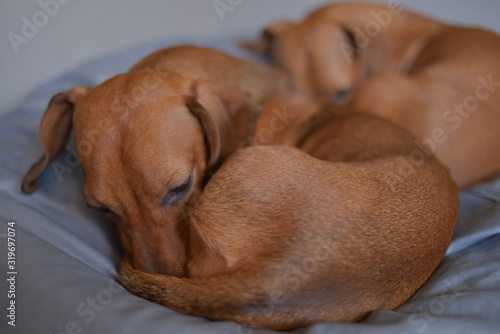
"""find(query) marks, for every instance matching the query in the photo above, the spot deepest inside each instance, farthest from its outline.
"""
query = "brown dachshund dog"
(440, 82)
(280, 239)
(147, 139)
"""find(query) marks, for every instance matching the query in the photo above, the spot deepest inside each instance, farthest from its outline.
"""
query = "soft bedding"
(66, 256)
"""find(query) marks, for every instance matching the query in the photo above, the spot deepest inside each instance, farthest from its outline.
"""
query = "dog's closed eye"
(103, 209)
(175, 194)
(351, 39)
(106, 212)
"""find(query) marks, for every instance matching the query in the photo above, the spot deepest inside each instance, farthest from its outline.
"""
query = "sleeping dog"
(148, 139)
(280, 239)
(440, 82)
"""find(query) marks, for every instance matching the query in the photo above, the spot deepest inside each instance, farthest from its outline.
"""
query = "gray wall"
(79, 30)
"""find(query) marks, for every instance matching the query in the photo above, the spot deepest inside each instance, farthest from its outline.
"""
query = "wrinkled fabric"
(66, 255)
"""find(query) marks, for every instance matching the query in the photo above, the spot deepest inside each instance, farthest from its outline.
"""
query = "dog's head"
(147, 143)
(320, 54)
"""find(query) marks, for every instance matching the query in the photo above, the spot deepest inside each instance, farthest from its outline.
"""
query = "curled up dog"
(363, 227)
(440, 82)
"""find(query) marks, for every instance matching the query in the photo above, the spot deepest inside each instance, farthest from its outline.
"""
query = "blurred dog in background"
(440, 82)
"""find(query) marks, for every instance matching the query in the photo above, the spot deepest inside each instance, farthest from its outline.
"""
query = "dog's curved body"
(281, 240)
(440, 82)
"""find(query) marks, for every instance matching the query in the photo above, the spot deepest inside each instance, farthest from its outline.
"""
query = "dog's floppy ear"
(227, 115)
(54, 132)
(263, 45)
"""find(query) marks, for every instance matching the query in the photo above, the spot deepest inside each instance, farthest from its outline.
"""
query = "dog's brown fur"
(148, 138)
(281, 240)
(413, 71)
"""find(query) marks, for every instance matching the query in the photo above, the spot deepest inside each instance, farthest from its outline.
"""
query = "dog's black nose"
(341, 96)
